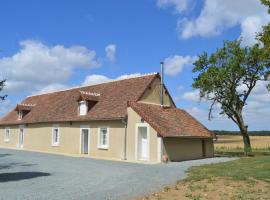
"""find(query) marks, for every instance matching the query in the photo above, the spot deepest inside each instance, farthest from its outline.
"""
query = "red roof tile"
(63, 106)
(170, 122)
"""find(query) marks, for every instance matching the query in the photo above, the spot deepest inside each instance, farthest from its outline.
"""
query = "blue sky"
(50, 45)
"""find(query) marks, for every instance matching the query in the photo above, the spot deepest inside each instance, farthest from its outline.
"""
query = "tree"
(2, 85)
(228, 76)
(264, 36)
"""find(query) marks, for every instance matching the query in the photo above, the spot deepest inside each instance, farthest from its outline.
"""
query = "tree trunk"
(246, 140)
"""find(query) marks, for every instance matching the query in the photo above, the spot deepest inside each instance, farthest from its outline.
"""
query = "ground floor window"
(103, 138)
(55, 135)
(7, 135)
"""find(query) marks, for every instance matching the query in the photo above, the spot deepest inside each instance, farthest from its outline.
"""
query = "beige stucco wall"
(133, 119)
(152, 94)
(39, 137)
(178, 149)
(13, 136)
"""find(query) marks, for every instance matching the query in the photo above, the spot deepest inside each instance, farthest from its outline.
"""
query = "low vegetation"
(251, 133)
(244, 179)
(232, 145)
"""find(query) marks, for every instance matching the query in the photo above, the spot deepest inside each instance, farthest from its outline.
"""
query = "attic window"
(23, 109)
(83, 108)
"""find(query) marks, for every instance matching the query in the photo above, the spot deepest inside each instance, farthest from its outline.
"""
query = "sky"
(53, 45)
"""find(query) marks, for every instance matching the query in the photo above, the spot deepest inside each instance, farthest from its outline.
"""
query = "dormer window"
(83, 107)
(23, 109)
(86, 101)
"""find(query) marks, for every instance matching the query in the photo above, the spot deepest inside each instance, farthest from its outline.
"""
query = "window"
(20, 114)
(83, 108)
(103, 136)
(7, 135)
(55, 136)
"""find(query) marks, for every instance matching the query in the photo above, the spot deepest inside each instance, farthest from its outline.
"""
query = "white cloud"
(110, 52)
(219, 15)
(96, 78)
(37, 65)
(191, 96)
(179, 5)
(125, 76)
(51, 88)
(174, 65)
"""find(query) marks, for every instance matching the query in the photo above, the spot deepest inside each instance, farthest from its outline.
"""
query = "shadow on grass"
(17, 176)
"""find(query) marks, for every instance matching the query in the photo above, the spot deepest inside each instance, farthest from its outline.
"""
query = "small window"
(20, 114)
(83, 107)
(55, 136)
(7, 135)
(103, 138)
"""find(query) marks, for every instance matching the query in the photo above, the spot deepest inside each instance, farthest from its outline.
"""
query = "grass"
(243, 169)
(232, 145)
(236, 141)
(244, 179)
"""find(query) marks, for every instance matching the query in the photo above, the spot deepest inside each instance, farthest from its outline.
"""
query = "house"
(120, 120)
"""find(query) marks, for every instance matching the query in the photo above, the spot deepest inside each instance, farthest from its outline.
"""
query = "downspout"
(161, 84)
(124, 121)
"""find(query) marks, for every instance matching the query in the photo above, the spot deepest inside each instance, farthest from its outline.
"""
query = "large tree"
(227, 77)
(264, 36)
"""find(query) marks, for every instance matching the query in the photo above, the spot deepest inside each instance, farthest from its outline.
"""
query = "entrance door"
(84, 141)
(142, 143)
(21, 138)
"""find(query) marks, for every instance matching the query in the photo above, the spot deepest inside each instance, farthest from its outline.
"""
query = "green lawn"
(247, 178)
(242, 169)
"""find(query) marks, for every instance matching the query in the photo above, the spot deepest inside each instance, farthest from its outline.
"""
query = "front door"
(142, 143)
(84, 141)
(21, 138)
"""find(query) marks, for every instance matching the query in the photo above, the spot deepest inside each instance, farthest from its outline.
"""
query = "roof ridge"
(83, 86)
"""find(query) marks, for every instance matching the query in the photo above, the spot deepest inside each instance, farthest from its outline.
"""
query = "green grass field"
(247, 178)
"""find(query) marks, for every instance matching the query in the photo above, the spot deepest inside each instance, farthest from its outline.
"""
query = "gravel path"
(29, 175)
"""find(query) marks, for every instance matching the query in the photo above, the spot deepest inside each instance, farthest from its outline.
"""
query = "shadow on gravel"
(5, 154)
(8, 166)
(17, 176)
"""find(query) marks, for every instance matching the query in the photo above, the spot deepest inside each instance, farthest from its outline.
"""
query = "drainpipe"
(161, 84)
(124, 121)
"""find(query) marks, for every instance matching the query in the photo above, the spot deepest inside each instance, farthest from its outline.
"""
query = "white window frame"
(148, 141)
(21, 127)
(100, 146)
(20, 114)
(55, 126)
(7, 139)
(83, 127)
(86, 104)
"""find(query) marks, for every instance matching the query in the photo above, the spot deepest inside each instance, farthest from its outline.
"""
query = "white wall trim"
(108, 138)
(159, 149)
(148, 140)
(23, 132)
(83, 127)
(5, 134)
(55, 126)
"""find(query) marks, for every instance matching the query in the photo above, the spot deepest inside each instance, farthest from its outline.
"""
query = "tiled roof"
(63, 106)
(170, 122)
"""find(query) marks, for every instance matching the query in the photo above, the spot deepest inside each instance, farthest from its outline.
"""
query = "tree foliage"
(228, 76)
(2, 85)
(264, 36)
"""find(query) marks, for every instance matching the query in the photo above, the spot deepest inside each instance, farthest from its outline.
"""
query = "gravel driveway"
(29, 175)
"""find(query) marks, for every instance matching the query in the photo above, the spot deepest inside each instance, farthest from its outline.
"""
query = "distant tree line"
(252, 133)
